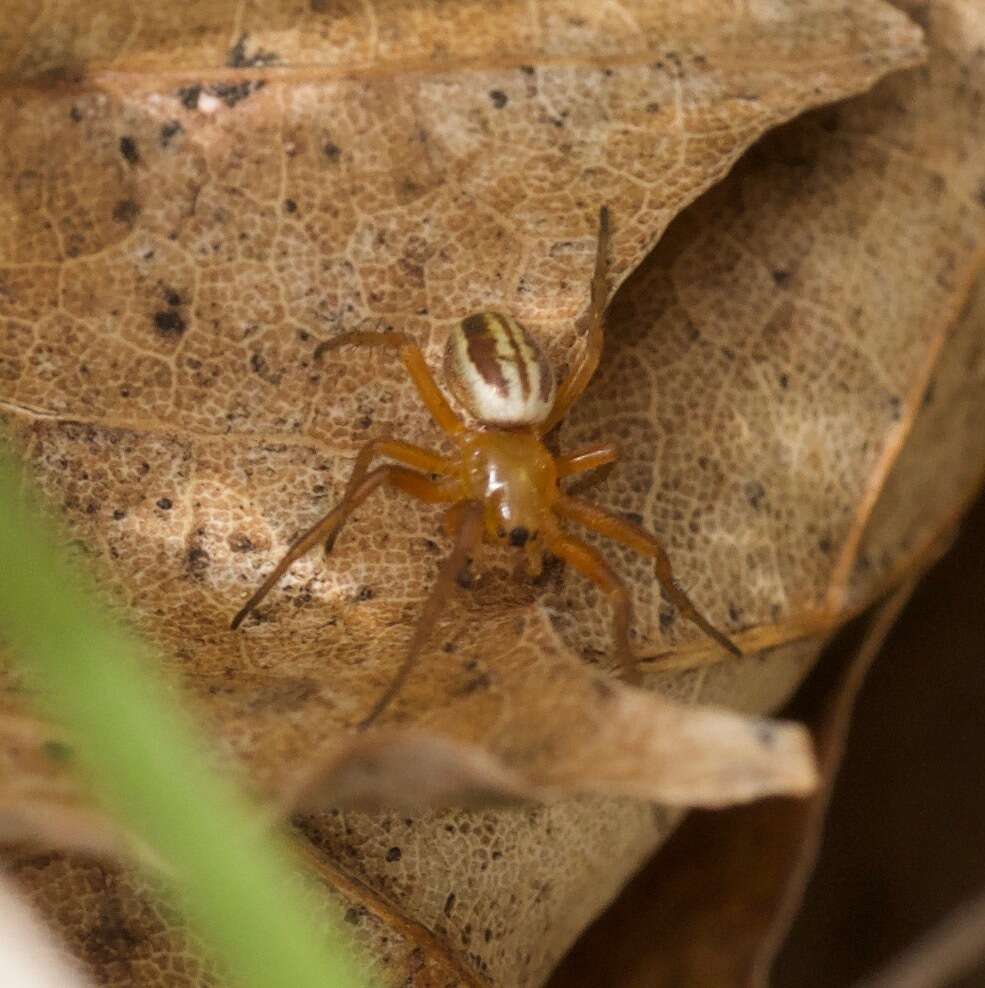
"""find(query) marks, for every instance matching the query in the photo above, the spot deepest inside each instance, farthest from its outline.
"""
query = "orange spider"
(501, 483)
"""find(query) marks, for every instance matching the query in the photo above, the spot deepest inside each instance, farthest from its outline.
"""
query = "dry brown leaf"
(647, 747)
(181, 237)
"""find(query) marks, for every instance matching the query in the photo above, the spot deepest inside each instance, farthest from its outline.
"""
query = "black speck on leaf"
(128, 148)
(170, 130)
(189, 96)
(169, 323)
(126, 211)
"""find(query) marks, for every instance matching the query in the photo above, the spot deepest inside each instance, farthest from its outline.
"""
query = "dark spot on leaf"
(480, 682)
(825, 544)
(449, 903)
(169, 323)
(164, 503)
(784, 381)
(499, 98)
(239, 59)
(75, 114)
(240, 543)
(128, 148)
(755, 494)
(365, 593)
(119, 514)
(393, 854)
(232, 93)
(189, 96)
(331, 150)
(172, 297)
(197, 560)
(57, 751)
(290, 206)
(780, 276)
(126, 211)
(170, 130)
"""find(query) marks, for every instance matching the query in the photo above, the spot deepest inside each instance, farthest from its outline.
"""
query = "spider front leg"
(467, 521)
(327, 527)
(432, 396)
(590, 458)
(575, 383)
(599, 520)
(405, 453)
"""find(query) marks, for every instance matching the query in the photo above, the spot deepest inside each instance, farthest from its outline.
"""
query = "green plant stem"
(236, 884)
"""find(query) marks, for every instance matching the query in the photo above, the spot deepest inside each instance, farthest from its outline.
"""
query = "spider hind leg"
(468, 523)
(599, 520)
(590, 564)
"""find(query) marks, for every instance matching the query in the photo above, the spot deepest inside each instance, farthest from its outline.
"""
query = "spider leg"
(590, 564)
(400, 477)
(586, 459)
(404, 453)
(576, 382)
(599, 520)
(469, 523)
(417, 367)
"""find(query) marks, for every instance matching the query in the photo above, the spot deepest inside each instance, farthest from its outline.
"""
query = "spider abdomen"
(497, 371)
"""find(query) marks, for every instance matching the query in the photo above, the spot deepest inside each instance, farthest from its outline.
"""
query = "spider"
(501, 483)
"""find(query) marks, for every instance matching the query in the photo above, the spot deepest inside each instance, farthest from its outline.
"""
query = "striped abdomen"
(496, 370)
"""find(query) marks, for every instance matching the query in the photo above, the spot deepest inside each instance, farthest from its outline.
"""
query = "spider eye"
(519, 536)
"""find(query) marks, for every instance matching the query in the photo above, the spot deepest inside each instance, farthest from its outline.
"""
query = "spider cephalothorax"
(501, 483)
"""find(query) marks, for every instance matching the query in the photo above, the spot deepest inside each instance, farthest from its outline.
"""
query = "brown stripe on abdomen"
(482, 352)
(496, 369)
